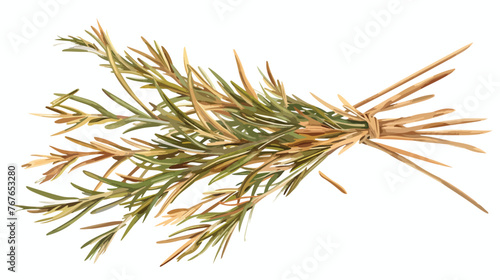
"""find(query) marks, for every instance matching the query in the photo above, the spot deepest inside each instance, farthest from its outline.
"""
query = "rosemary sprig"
(270, 139)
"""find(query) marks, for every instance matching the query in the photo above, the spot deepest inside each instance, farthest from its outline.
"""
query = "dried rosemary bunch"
(268, 138)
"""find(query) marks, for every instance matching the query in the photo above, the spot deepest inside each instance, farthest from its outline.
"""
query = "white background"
(393, 224)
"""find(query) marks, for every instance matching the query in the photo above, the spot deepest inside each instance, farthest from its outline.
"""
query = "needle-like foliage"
(212, 130)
